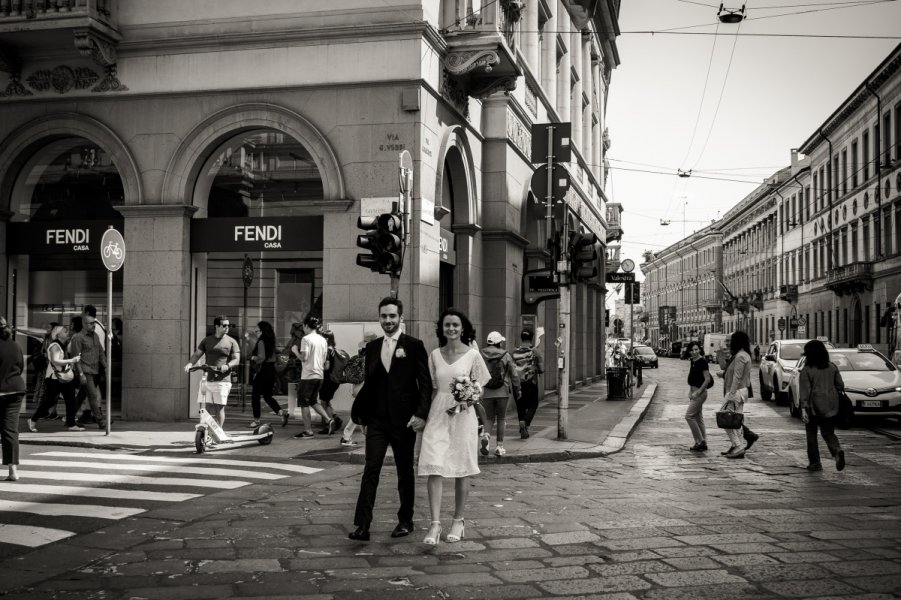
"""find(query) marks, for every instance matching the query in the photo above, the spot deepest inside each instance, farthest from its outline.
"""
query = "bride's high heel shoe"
(456, 532)
(434, 534)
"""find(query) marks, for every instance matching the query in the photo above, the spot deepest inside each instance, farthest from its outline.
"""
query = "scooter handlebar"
(206, 368)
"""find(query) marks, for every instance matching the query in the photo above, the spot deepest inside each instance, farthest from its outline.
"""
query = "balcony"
(84, 27)
(614, 222)
(756, 300)
(713, 306)
(481, 57)
(851, 278)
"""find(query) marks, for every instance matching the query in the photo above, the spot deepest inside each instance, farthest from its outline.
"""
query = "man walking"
(393, 403)
(220, 351)
(312, 353)
(86, 343)
(529, 365)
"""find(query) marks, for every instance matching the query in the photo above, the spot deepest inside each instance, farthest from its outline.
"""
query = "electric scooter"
(209, 432)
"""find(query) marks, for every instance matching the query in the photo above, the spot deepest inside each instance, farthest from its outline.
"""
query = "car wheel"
(792, 410)
(781, 397)
(765, 394)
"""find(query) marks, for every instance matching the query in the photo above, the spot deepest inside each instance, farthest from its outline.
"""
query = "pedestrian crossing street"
(61, 494)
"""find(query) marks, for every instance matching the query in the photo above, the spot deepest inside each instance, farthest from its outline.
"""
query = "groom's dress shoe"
(361, 534)
(402, 529)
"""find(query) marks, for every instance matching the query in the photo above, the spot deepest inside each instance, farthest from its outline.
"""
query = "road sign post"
(247, 278)
(112, 253)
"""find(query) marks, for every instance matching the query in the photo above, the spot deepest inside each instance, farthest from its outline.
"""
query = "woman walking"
(699, 380)
(12, 390)
(820, 385)
(737, 379)
(59, 378)
(449, 440)
(264, 381)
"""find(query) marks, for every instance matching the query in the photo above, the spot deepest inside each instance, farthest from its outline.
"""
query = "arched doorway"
(61, 201)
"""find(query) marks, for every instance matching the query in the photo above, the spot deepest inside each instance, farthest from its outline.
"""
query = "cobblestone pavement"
(653, 521)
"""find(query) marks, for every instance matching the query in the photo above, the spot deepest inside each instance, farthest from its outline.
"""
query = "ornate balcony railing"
(481, 56)
(850, 278)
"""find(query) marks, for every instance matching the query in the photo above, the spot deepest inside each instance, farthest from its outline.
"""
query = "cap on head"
(495, 338)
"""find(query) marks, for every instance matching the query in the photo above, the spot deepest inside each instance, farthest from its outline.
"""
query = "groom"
(397, 393)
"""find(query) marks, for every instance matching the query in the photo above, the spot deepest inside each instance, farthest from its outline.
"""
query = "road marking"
(158, 469)
(135, 479)
(186, 461)
(72, 490)
(25, 535)
(49, 509)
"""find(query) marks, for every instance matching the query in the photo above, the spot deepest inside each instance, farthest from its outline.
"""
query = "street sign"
(561, 183)
(562, 147)
(781, 323)
(112, 249)
(620, 277)
(802, 330)
(802, 321)
(539, 285)
(793, 323)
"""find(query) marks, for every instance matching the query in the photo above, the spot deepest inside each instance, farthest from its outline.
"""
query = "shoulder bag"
(729, 419)
(64, 374)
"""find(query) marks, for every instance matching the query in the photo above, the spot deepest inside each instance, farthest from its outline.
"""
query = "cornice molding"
(503, 235)
(149, 211)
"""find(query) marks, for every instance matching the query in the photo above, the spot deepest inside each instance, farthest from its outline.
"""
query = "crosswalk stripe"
(185, 461)
(158, 469)
(136, 479)
(25, 535)
(50, 509)
(73, 490)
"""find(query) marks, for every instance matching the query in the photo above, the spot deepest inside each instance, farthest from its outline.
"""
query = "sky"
(725, 106)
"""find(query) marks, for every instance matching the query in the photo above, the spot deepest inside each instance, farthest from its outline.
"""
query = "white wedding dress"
(450, 442)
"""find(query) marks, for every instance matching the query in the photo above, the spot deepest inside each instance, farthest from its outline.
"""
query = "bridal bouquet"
(465, 391)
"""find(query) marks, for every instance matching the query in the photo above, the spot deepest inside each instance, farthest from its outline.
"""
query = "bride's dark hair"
(466, 336)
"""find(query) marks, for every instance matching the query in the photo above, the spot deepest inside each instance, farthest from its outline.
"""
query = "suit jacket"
(407, 387)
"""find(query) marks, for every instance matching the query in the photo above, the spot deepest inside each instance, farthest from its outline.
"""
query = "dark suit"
(385, 404)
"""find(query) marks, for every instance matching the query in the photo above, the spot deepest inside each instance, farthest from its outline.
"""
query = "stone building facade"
(207, 132)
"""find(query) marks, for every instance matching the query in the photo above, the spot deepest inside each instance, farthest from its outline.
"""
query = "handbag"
(729, 419)
(64, 375)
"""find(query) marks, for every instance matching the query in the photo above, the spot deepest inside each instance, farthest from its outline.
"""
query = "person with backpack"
(355, 374)
(699, 381)
(529, 365)
(496, 392)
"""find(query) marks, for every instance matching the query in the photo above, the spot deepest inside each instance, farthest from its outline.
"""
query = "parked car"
(777, 366)
(646, 356)
(872, 381)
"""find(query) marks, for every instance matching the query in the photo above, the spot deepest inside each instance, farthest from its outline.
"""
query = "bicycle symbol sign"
(112, 249)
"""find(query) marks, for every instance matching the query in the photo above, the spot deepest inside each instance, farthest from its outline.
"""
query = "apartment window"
(845, 324)
(854, 181)
(816, 262)
(887, 133)
(865, 142)
(876, 140)
(854, 243)
(844, 171)
(887, 229)
(898, 132)
(866, 238)
(794, 220)
(844, 254)
(782, 217)
(807, 204)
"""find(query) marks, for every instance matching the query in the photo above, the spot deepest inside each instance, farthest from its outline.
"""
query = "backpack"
(496, 370)
(524, 359)
(355, 369)
(338, 359)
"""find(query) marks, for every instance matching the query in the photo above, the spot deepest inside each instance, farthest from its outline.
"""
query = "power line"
(694, 129)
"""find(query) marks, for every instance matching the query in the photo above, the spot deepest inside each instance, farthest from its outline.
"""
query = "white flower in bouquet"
(465, 392)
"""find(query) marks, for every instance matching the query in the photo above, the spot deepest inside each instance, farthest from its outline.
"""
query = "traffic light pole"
(562, 342)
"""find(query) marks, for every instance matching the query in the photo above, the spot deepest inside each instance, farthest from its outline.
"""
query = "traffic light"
(606, 317)
(554, 247)
(583, 256)
(382, 238)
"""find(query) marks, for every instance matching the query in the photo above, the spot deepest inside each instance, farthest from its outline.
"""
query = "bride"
(450, 442)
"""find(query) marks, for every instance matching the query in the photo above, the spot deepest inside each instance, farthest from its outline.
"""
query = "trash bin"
(616, 378)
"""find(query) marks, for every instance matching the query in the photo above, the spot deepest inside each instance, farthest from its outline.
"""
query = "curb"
(620, 434)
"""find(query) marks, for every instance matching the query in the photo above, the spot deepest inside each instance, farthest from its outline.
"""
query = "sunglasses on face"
(225, 325)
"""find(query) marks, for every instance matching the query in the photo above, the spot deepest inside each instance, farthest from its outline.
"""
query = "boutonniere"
(399, 353)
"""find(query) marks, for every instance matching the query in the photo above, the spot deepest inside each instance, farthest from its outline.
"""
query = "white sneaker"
(76, 428)
(32, 427)
(499, 451)
(254, 424)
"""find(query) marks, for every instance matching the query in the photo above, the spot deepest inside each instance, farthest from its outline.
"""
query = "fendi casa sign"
(207, 235)
(57, 237)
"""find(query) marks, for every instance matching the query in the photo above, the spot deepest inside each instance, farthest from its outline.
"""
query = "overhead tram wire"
(694, 130)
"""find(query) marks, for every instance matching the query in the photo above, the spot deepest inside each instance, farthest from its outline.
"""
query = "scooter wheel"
(200, 440)
(264, 430)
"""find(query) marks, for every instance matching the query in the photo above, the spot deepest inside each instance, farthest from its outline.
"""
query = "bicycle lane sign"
(112, 249)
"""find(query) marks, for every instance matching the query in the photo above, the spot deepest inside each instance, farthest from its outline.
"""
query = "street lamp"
(731, 16)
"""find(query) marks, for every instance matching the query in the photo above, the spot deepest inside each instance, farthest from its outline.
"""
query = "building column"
(549, 56)
(6, 308)
(564, 76)
(530, 37)
(575, 49)
(156, 309)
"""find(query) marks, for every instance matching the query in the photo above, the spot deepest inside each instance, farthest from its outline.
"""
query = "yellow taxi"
(872, 381)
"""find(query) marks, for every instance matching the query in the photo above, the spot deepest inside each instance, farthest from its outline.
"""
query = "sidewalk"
(595, 427)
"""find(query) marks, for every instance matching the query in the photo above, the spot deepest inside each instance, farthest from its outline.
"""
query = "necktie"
(387, 351)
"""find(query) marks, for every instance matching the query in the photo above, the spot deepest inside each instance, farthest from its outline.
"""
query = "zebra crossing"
(61, 494)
